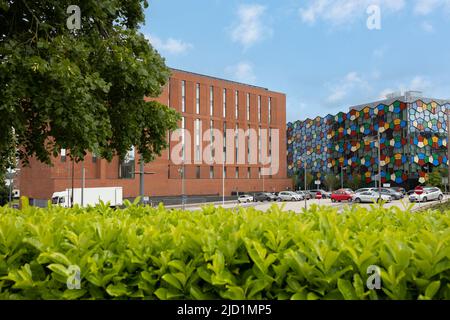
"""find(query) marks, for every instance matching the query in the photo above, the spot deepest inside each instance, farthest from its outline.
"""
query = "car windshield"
(55, 200)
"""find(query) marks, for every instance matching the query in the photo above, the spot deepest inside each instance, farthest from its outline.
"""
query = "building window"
(270, 144)
(224, 111)
(270, 110)
(248, 144)
(197, 172)
(211, 137)
(236, 173)
(168, 172)
(236, 103)
(211, 101)
(259, 144)
(259, 108)
(183, 146)
(248, 106)
(127, 165)
(183, 96)
(224, 141)
(249, 173)
(198, 124)
(224, 172)
(236, 142)
(211, 172)
(94, 157)
(63, 155)
(197, 98)
(259, 173)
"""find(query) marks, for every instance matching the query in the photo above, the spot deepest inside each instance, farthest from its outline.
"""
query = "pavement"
(299, 206)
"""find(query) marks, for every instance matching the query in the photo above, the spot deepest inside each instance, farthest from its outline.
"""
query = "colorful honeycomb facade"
(413, 140)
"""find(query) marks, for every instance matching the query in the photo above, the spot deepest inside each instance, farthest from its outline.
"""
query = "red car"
(341, 195)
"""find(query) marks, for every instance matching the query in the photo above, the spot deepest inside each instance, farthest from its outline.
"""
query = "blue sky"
(321, 53)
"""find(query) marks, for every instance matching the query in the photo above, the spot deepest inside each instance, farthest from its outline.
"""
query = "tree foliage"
(79, 90)
(331, 181)
(435, 179)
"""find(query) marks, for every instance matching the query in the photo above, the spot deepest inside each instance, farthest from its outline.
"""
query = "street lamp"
(379, 162)
(304, 168)
(141, 173)
(181, 172)
(342, 176)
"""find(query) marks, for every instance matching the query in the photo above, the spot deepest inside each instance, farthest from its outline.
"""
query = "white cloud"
(427, 27)
(170, 46)
(345, 86)
(340, 12)
(417, 83)
(425, 7)
(242, 72)
(250, 29)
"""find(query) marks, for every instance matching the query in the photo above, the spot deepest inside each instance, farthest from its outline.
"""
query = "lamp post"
(181, 172)
(342, 176)
(448, 145)
(379, 163)
(141, 173)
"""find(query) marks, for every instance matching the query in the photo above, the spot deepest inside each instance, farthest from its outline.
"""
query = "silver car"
(370, 196)
(245, 198)
(289, 196)
(428, 194)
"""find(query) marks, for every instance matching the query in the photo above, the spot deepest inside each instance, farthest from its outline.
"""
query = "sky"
(325, 55)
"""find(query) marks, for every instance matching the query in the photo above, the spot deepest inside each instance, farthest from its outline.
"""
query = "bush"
(154, 253)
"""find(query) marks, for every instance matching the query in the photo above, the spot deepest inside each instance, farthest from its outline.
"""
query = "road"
(299, 206)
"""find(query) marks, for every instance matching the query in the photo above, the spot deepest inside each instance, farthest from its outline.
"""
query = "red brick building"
(202, 101)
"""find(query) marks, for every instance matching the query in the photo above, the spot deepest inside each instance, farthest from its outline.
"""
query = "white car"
(289, 196)
(369, 197)
(245, 198)
(427, 195)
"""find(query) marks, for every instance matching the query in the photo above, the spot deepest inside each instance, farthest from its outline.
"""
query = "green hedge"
(154, 253)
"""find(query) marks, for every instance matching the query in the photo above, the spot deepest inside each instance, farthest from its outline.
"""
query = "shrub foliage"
(154, 253)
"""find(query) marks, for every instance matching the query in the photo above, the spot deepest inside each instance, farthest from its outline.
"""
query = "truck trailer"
(89, 197)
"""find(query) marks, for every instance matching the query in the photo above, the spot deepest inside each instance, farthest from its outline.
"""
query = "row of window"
(224, 173)
(197, 128)
(224, 102)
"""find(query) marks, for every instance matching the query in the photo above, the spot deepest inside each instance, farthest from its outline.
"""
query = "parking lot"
(299, 206)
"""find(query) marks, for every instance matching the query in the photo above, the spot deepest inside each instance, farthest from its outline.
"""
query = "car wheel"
(440, 197)
(425, 199)
(358, 200)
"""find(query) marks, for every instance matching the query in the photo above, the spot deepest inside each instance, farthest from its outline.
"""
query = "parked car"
(389, 192)
(264, 196)
(399, 189)
(289, 196)
(325, 194)
(341, 195)
(362, 190)
(370, 196)
(430, 193)
(304, 194)
(245, 198)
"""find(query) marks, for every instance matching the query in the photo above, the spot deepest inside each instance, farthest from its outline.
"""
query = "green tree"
(309, 180)
(434, 179)
(331, 181)
(81, 90)
(355, 182)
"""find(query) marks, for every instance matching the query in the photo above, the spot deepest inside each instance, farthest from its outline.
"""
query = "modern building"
(205, 103)
(413, 141)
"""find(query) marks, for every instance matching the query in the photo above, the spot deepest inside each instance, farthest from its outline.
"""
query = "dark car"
(325, 195)
(264, 196)
(390, 192)
(305, 193)
(399, 189)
